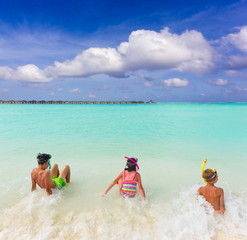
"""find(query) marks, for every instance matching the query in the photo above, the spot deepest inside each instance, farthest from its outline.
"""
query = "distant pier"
(72, 102)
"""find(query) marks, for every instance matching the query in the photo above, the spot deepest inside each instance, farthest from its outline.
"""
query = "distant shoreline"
(73, 102)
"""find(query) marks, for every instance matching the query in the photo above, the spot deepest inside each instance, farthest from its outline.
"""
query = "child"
(46, 179)
(128, 179)
(214, 195)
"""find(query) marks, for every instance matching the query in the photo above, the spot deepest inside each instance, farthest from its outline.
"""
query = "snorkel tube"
(202, 169)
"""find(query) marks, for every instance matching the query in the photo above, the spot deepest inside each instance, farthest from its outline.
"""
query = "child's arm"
(113, 183)
(222, 202)
(33, 183)
(142, 191)
(48, 182)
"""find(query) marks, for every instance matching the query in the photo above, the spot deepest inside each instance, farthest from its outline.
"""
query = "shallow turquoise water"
(169, 134)
(170, 139)
(157, 131)
(209, 124)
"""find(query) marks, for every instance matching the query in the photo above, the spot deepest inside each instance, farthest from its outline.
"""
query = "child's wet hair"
(130, 166)
(209, 175)
(43, 158)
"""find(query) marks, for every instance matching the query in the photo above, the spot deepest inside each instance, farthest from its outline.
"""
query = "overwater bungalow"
(70, 102)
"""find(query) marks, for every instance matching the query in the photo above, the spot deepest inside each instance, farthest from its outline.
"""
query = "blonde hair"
(209, 175)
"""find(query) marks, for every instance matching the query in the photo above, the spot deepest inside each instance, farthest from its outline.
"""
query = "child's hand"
(102, 195)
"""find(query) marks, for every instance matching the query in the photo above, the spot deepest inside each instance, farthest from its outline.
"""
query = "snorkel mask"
(49, 165)
(46, 158)
(214, 170)
(134, 162)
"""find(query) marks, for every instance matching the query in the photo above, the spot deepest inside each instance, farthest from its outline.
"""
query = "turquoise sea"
(171, 141)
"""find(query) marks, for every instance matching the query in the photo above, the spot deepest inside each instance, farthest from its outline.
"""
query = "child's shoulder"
(200, 189)
(34, 170)
(138, 175)
(219, 189)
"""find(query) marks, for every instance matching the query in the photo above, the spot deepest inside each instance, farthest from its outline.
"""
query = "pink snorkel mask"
(133, 161)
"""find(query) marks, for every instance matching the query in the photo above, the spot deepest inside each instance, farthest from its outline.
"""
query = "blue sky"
(167, 51)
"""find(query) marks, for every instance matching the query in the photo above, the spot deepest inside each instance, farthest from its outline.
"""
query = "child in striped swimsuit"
(128, 180)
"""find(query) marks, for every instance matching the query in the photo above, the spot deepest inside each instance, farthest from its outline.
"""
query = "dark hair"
(43, 158)
(130, 166)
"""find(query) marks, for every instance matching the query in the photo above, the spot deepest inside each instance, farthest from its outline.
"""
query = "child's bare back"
(41, 177)
(214, 195)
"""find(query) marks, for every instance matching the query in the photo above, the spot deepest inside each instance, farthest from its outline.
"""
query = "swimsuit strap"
(134, 176)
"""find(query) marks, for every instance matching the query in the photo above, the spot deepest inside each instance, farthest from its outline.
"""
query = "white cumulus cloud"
(89, 62)
(189, 51)
(236, 44)
(176, 82)
(239, 40)
(148, 50)
(237, 62)
(144, 50)
(26, 73)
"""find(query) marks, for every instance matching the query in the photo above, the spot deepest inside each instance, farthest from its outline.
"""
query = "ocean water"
(170, 139)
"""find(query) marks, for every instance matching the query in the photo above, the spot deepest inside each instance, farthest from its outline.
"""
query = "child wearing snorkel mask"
(51, 178)
(214, 195)
(128, 180)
